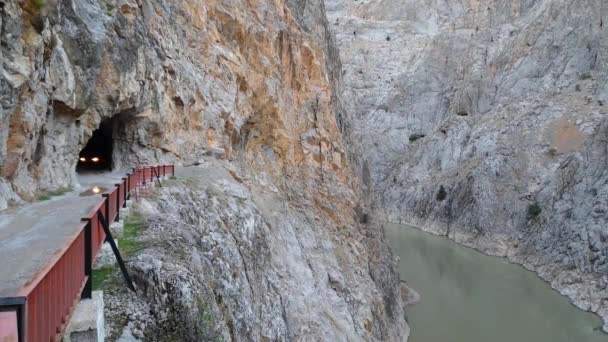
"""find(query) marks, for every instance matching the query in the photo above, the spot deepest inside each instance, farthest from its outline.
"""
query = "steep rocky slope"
(486, 121)
(251, 82)
(253, 265)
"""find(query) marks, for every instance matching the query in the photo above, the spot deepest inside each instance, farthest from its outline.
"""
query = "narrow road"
(31, 234)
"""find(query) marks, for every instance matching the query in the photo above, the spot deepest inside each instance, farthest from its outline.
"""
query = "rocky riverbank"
(586, 291)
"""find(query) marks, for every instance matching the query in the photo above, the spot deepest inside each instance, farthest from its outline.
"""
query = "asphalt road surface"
(32, 233)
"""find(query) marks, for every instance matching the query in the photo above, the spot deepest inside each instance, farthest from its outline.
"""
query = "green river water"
(471, 297)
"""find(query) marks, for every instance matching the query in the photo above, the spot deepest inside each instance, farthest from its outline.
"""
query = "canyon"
(249, 83)
(485, 121)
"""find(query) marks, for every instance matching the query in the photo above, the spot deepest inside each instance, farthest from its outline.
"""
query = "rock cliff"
(176, 80)
(253, 83)
(486, 121)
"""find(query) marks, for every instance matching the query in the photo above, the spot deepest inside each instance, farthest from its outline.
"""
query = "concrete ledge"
(87, 322)
(106, 256)
(124, 212)
(117, 228)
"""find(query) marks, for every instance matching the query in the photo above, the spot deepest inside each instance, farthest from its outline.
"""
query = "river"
(467, 296)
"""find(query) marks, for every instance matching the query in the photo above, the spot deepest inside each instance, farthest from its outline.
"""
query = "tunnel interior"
(97, 153)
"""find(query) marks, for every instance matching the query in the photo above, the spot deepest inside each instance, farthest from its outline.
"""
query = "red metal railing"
(98, 235)
(42, 307)
(53, 292)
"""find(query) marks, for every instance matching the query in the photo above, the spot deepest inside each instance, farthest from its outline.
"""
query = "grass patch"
(172, 181)
(101, 276)
(47, 195)
(59, 192)
(43, 197)
(39, 3)
(129, 243)
(205, 325)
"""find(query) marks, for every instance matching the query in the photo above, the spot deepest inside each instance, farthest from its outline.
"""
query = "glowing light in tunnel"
(83, 159)
(95, 159)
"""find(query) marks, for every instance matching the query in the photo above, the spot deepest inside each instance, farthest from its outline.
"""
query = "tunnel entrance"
(97, 153)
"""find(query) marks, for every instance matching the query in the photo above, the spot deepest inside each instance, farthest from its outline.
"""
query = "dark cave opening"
(97, 153)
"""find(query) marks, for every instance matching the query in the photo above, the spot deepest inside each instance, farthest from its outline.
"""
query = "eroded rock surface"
(486, 121)
(226, 258)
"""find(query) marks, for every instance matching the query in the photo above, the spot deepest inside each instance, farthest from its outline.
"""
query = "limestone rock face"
(256, 83)
(177, 80)
(486, 121)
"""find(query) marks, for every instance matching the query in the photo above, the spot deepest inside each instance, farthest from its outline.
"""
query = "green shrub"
(416, 136)
(534, 210)
(43, 197)
(441, 194)
(552, 152)
(130, 243)
(109, 9)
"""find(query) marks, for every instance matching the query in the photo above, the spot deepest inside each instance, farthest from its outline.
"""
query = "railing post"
(106, 227)
(136, 179)
(88, 259)
(21, 321)
(125, 182)
(16, 305)
(118, 203)
(107, 206)
(155, 172)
